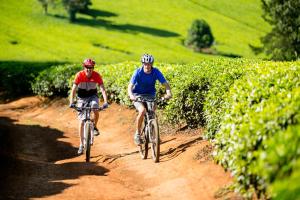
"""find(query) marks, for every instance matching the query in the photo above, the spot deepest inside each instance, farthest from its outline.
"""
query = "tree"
(199, 35)
(45, 4)
(283, 42)
(74, 6)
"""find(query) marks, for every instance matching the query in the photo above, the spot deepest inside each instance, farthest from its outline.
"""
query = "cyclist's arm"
(103, 91)
(129, 90)
(73, 93)
(168, 90)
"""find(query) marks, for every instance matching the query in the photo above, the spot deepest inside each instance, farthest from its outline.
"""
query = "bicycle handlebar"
(143, 99)
(86, 108)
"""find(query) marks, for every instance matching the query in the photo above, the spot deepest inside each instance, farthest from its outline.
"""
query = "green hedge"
(258, 106)
(116, 78)
(16, 77)
(55, 81)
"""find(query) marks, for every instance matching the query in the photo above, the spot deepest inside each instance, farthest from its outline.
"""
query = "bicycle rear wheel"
(143, 148)
(155, 141)
(87, 143)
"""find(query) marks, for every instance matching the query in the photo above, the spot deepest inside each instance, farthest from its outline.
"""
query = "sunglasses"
(89, 67)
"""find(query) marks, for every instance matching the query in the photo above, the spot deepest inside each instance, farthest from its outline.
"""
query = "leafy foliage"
(74, 6)
(223, 76)
(17, 76)
(189, 86)
(55, 81)
(199, 35)
(116, 79)
(283, 42)
(259, 106)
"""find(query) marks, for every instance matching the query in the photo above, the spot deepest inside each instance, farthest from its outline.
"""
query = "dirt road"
(38, 146)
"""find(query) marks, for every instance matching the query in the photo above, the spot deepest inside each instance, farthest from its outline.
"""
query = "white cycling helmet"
(147, 58)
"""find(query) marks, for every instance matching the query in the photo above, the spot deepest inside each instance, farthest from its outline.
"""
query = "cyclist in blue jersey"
(142, 83)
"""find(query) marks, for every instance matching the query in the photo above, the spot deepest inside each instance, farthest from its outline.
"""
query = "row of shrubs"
(250, 108)
(16, 77)
(258, 139)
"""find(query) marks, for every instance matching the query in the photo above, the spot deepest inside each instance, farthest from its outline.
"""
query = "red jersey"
(87, 86)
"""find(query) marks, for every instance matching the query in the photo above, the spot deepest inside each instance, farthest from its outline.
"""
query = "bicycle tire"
(155, 140)
(143, 148)
(87, 142)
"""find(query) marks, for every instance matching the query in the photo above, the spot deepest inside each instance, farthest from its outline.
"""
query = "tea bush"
(17, 76)
(258, 107)
(116, 78)
(54, 81)
(223, 75)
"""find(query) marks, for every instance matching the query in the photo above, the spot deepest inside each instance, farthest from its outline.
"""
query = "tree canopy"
(283, 42)
(199, 35)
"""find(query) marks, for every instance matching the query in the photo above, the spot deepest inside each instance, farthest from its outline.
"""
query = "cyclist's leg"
(80, 132)
(140, 117)
(96, 118)
(139, 121)
(80, 103)
(95, 104)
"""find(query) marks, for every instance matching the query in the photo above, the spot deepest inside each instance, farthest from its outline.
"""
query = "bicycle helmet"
(88, 62)
(147, 58)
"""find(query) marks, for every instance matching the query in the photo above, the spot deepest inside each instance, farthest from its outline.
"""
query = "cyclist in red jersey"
(85, 84)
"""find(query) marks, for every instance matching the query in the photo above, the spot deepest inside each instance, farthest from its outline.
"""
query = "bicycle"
(150, 131)
(88, 128)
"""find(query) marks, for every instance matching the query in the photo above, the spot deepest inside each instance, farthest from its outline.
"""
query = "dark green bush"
(55, 81)
(199, 35)
(75, 6)
(16, 77)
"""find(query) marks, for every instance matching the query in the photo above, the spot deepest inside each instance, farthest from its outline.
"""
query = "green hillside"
(123, 30)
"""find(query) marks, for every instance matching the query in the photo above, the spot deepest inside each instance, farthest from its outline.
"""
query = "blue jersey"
(144, 84)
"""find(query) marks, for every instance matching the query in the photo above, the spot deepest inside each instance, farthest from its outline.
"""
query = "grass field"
(124, 30)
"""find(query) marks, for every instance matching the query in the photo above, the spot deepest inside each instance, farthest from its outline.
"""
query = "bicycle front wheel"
(155, 141)
(87, 143)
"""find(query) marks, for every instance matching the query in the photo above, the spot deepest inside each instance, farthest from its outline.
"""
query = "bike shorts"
(137, 104)
(94, 103)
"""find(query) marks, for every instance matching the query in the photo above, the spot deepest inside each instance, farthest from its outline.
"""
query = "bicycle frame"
(149, 117)
(88, 128)
(150, 133)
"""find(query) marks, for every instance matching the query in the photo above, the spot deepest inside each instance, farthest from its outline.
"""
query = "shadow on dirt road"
(28, 154)
(172, 153)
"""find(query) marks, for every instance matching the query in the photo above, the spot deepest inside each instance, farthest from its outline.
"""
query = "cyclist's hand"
(132, 98)
(166, 97)
(105, 105)
(72, 105)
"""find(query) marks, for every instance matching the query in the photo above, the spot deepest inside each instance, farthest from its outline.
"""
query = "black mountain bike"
(150, 130)
(88, 128)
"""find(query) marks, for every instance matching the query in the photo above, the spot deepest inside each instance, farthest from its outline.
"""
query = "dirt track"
(38, 146)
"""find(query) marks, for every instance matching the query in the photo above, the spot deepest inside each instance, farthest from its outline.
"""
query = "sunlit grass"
(123, 30)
